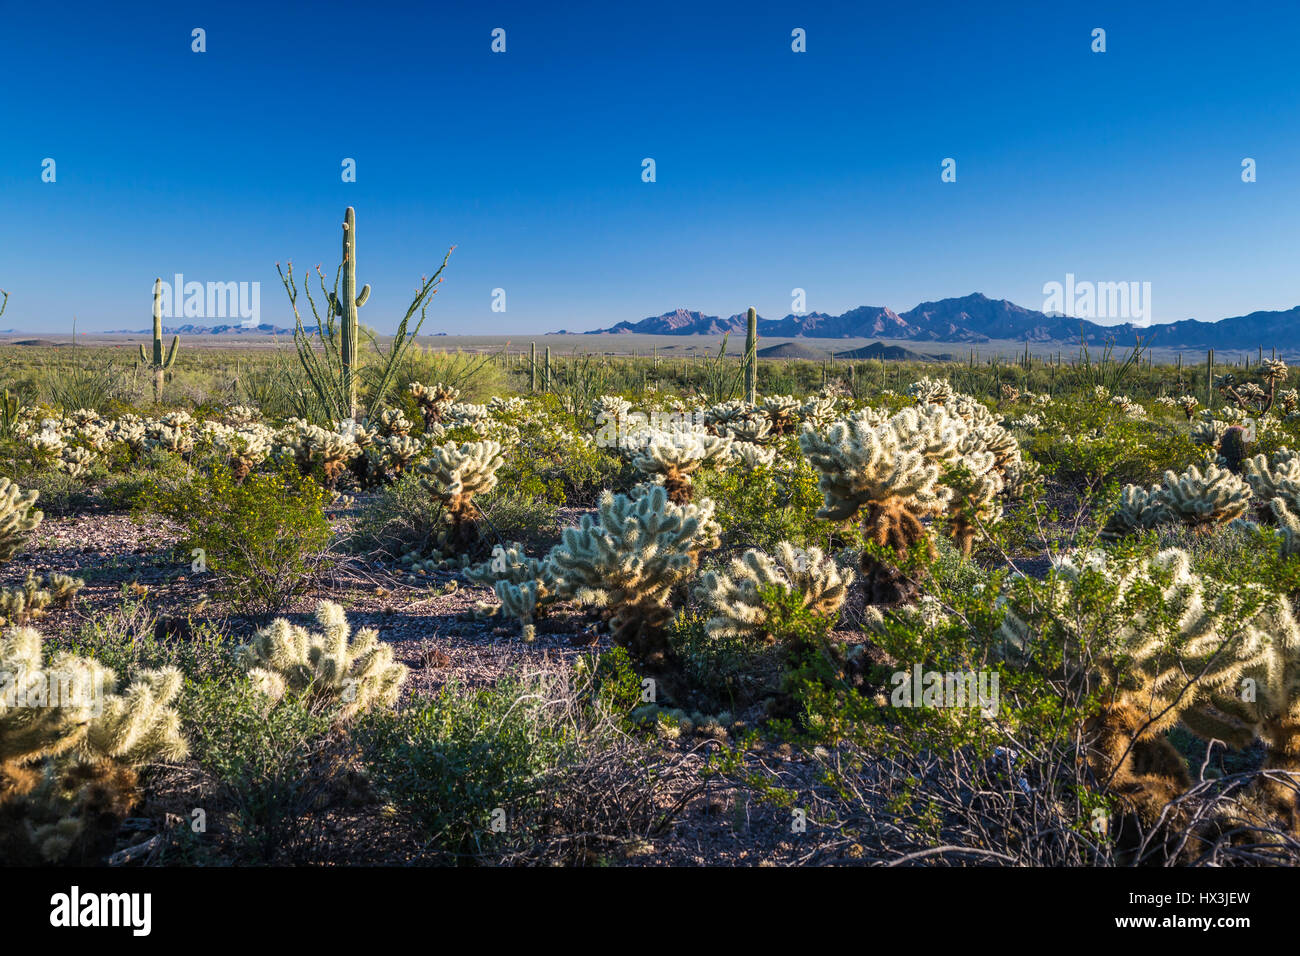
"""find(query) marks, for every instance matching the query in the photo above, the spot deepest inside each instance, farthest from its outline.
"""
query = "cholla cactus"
(1188, 404)
(1169, 655)
(242, 415)
(392, 422)
(930, 391)
(245, 448)
(782, 412)
(610, 410)
(311, 446)
(628, 560)
(1204, 500)
(434, 401)
(69, 744)
(1139, 510)
(818, 411)
(736, 598)
(331, 667)
(719, 417)
(893, 470)
(18, 516)
(20, 604)
(1272, 477)
(525, 586)
(675, 453)
(76, 461)
(454, 475)
(1207, 432)
(390, 456)
(753, 427)
(748, 456)
(1010, 393)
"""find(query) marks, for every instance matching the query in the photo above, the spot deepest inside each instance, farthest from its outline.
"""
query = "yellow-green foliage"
(18, 515)
(736, 597)
(353, 675)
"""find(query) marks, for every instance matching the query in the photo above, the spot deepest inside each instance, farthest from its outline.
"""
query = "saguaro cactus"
(345, 306)
(751, 356)
(158, 361)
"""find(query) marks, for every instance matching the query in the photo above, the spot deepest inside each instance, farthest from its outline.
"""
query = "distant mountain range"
(977, 318)
(190, 329)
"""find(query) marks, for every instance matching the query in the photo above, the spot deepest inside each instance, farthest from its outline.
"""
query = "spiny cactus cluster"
(736, 596)
(672, 454)
(894, 470)
(70, 741)
(28, 600)
(455, 474)
(331, 667)
(628, 559)
(1198, 499)
(18, 517)
(1227, 666)
(434, 401)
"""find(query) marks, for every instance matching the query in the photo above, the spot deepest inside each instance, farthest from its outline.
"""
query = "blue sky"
(775, 170)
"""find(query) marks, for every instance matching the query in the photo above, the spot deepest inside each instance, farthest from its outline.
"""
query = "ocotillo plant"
(3, 302)
(751, 357)
(159, 362)
(334, 370)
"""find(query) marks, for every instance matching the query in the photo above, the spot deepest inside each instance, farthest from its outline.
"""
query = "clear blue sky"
(775, 170)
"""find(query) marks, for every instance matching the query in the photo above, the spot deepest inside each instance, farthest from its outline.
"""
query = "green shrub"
(267, 762)
(762, 507)
(263, 539)
(452, 761)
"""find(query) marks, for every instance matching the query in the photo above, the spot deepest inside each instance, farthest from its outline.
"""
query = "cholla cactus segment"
(18, 516)
(736, 600)
(1204, 500)
(674, 453)
(629, 558)
(333, 667)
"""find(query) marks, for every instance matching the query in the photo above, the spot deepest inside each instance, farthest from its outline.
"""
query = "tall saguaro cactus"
(158, 361)
(751, 357)
(345, 306)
